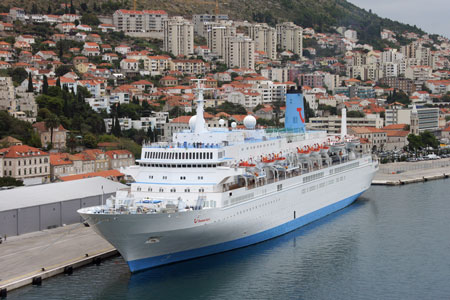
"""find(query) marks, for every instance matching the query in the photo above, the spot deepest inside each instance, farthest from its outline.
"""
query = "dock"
(30, 258)
(400, 173)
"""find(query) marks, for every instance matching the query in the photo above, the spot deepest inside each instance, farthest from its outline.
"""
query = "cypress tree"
(58, 82)
(45, 86)
(30, 83)
(72, 8)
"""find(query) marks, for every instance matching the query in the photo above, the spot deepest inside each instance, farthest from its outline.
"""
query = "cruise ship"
(212, 190)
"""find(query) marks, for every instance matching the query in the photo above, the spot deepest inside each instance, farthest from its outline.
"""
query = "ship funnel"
(295, 112)
(344, 123)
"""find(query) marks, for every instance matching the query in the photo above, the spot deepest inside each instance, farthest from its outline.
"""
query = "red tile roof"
(106, 174)
(21, 151)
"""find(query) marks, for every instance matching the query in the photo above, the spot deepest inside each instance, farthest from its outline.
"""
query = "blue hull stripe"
(150, 262)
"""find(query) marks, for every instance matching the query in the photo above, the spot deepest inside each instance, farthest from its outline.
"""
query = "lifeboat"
(279, 157)
(305, 152)
(246, 164)
(316, 149)
(267, 160)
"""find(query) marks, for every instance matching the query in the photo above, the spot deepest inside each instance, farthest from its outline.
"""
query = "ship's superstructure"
(209, 191)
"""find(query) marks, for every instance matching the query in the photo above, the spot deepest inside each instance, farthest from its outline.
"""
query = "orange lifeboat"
(246, 164)
(267, 160)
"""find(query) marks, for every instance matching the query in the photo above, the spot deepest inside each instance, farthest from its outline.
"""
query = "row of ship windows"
(181, 177)
(321, 185)
(179, 155)
(345, 168)
(172, 190)
(312, 177)
(178, 165)
(258, 146)
(251, 208)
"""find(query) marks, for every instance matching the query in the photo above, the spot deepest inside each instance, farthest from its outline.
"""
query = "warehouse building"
(35, 208)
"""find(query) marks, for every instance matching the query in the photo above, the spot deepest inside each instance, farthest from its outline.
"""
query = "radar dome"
(221, 122)
(233, 125)
(192, 122)
(250, 122)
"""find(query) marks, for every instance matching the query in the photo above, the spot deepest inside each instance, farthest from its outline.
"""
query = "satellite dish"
(250, 122)
(233, 125)
(221, 122)
(192, 122)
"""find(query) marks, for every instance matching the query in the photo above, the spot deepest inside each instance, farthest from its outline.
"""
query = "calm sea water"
(392, 243)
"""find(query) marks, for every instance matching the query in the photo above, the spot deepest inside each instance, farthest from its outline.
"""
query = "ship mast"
(200, 124)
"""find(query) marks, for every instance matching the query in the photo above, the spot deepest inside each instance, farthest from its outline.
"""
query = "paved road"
(412, 170)
(26, 254)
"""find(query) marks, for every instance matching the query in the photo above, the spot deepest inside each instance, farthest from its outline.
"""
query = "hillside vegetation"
(322, 15)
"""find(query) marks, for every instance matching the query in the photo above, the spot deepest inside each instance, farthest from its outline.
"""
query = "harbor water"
(392, 243)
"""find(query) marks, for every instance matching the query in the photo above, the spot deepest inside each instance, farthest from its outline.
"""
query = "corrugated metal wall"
(8, 222)
(35, 218)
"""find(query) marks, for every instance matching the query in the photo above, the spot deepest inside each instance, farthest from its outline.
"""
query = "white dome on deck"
(250, 122)
(192, 122)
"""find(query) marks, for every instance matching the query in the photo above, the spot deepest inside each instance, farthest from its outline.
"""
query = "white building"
(240, 52)
(290, 37)
(265, 38)
(178, 36)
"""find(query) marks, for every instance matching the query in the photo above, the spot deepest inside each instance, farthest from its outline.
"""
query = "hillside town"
(81, 92)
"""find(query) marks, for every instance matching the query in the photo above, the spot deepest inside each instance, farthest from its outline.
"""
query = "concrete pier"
(47, 253)
(412, 172)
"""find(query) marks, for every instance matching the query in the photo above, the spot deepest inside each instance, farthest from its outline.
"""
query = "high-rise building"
(290, 37)
(178, 36)
(265, 38)
(216, 38)
(240, 52)
(199, 21)
(133, 21)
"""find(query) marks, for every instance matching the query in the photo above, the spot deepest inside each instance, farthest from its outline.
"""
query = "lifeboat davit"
(305, 152)
(324, 149)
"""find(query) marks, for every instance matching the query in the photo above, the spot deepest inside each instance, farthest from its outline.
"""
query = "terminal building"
(46, 206)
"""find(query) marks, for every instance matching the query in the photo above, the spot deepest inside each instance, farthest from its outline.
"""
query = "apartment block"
(265, 38)
(216, 38)
(139, 21)
(290, 37)
(240, 52)
(200, 20)
(332, 124)
(178, 36)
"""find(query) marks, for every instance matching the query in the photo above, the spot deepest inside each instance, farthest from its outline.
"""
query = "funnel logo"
(299, 109)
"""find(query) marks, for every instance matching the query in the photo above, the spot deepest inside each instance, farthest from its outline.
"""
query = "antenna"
(217, 8)
(134, 4)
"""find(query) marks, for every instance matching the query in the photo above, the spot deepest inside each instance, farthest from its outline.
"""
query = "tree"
(414, 142)
(34, 9)
(116, 130)
(51, 123)
(89, 141)
(72, 8)
(150, 134)
(45, 86)
(62, 70)
(77, 22)
(18, 75)
(84, 6)
(58, 82)
(429, 140)
(30, 83)
(90, 19)
(10, 181)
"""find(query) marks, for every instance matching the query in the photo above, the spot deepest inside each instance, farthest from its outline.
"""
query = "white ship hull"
(258, 214)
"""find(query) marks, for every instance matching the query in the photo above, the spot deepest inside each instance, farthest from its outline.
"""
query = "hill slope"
(319, 14)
